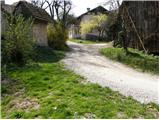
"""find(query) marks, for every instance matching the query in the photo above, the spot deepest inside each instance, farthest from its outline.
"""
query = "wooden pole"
(136, 30)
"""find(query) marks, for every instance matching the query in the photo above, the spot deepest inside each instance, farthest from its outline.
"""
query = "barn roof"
(29, 10)
(35, 12)
(7, 8)
(98, 9)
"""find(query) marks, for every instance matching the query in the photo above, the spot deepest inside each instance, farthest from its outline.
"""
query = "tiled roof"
(95, 10)
(27, 9)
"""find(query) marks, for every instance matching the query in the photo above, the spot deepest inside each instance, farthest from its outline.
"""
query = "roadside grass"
(136, 59)
(84, 41)
(46, 89)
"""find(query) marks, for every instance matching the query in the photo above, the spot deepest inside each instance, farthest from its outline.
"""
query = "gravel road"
(88, 62)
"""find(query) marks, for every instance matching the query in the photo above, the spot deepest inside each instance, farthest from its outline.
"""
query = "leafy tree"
(113, 25)
(97, 22)
(17, 47)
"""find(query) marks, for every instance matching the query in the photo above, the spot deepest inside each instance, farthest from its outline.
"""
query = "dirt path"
(88, 62)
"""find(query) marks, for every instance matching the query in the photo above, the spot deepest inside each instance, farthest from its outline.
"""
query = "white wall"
(40, 34)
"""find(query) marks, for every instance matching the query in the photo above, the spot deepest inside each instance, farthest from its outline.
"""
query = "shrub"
(57, 36)
(18, 43)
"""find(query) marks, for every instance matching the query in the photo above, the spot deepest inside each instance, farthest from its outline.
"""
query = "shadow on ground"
(48, 55)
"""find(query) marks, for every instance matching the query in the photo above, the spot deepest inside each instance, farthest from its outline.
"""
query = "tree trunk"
(99, 35)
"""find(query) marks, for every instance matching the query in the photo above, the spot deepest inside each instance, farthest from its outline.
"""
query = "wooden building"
(141, 19)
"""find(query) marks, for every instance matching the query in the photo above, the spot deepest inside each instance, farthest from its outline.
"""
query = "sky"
(79, 6)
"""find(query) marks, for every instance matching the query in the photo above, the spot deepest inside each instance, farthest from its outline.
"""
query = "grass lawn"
(135, 59)
(84, 41)
(46, 89)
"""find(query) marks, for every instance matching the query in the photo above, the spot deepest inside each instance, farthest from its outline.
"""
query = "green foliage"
(60, 93)
(57, 36)
(3, 89)
(120, 37)
(87, 27)
(114, 26)
(18, 114)
(134, 58)
(97, 22)
(100, 20)
(18, 43)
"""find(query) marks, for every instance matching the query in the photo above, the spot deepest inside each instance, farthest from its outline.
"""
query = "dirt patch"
(90, 116)
(27, 104)
(86, 116)
(121, 115)
(10, 87)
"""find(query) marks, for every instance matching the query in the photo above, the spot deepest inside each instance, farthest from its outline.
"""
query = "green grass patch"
(46, 89)
(136, 59)
(84, 41)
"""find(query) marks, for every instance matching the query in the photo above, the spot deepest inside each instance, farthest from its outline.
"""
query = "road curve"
(88, 62)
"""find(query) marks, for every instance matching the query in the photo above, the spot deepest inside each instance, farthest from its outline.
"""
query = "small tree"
(17, 47)
(97, 22)
(57, 36)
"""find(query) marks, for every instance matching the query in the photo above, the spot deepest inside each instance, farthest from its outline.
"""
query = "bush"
(57, 36)
(18, 43)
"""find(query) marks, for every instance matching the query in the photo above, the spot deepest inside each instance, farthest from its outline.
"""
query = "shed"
(40, 16)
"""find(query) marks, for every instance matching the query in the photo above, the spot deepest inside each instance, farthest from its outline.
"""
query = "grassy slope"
(47, 90)
(135, 59)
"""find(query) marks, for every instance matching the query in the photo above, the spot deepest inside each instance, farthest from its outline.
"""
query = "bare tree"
(112, 4)
(57, 8)
(39, 3)
(66, 7)
(51, 6)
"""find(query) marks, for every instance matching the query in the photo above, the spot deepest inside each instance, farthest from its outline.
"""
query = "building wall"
(39, 31)
(94, 34)
(40, 34)
(74, 31)
(87, 18)
(145, 15)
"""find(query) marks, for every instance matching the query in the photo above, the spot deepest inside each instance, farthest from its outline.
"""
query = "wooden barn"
(141, 19)
(40, 16)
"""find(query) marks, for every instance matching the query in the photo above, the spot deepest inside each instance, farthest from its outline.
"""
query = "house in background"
(74, 30)
(40, 16)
